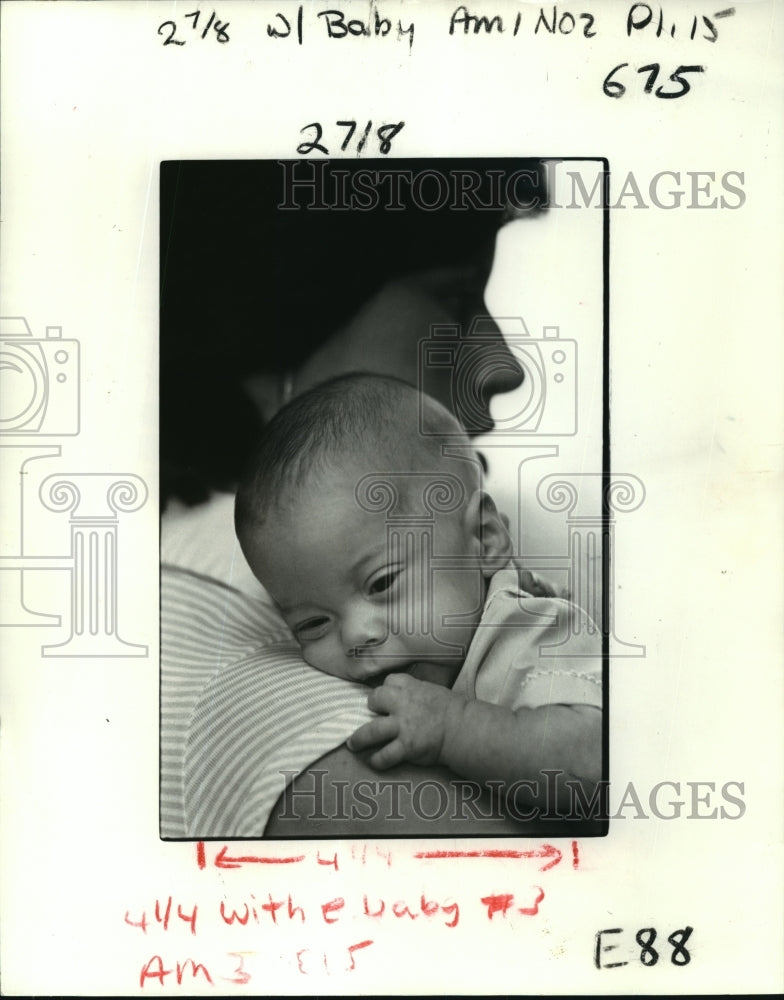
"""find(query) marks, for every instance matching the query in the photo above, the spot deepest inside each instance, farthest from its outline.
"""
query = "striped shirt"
(242, 713)
(238, 706)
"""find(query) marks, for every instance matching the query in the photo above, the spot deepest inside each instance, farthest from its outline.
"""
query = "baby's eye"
(384, 582)
(311, 629)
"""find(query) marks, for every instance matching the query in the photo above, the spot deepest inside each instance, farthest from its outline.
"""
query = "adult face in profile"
(392, 334)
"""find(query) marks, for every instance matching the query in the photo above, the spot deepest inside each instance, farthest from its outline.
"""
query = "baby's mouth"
(423, 670)
(443, 673)
(377, 679)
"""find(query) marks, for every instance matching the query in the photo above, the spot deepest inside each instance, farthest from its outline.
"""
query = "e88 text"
(648, 951)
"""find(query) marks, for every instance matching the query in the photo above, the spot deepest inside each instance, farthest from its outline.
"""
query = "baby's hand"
(412, 722)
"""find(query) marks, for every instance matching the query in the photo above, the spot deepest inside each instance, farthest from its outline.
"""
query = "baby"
(363, 515)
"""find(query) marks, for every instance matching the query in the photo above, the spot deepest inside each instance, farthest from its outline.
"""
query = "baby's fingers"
(389, 755)
(386, 698)
(380, 730)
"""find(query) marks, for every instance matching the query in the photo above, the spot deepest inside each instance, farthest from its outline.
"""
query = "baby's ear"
(490, 528)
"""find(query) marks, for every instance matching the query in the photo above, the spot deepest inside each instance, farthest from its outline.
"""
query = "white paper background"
(91, 103)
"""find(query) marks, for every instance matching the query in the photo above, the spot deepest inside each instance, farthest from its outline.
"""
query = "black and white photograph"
(391, 448)
(376, 311)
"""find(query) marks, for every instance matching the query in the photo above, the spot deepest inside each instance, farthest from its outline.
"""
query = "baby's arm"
(425, 724)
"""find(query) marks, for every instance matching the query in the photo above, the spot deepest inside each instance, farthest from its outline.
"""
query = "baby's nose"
(365, 628)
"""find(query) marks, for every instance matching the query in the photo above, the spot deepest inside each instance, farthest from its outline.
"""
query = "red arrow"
(546, 851)
(222, 860)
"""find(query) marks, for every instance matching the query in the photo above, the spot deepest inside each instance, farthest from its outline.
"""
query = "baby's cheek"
(326, 656)
(313, 654)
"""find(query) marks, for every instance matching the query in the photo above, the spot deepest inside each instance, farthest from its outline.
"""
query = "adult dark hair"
(248, 287)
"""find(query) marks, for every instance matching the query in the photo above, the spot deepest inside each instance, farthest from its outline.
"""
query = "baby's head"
(362, 515)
